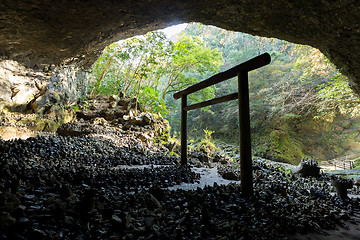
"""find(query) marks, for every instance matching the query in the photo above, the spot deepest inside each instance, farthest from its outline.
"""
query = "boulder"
(145, 138)
(220, 157)
(357, 182)
(342, 185)
(229, 175)
(124, 103)
(138, 121)
(108, 115)
(173, 145)
(29, 90)
(17, 85)
(307, 168)
(6, 220)
(99, 121)
(71, 130)
(203, 157)
(114, 98)
(147, 117)
(195, 162)
(86, 114)
(229, 172)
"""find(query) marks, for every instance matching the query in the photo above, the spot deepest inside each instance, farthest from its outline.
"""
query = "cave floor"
(349, 231)
(110, 184)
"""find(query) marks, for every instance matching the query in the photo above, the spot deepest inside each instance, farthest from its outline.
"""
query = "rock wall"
(45, 32)
(323, 139)
(26, 90)
(17, 87)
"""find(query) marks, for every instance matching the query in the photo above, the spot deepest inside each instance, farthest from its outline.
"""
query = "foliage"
(206, 145)
(336, 97)
(298, 93)
(191, 62)
(297, 87)
(151, 67)
(357, 164)
(153, 100)
(134, 67)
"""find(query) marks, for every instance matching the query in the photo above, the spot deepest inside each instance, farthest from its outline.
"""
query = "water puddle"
(208, 176)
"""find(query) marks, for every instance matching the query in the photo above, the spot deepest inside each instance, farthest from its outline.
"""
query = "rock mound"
(307, 168)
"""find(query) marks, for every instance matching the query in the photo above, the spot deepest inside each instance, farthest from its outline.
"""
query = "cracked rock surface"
(40, 33)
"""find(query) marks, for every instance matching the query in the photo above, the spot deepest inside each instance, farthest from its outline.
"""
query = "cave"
(38, 33)
(46, 49)
(67, 37)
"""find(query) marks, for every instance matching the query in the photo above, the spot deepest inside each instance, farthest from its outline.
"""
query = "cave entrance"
(303, 105)
(241, 71)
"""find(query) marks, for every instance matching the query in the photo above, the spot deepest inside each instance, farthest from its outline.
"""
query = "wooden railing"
(344, 163)
(347, 164)
(242, 95)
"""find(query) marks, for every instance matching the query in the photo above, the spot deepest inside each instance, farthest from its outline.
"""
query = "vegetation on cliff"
(300, 104)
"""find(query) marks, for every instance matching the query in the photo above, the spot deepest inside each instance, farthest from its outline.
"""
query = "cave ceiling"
(46, 32)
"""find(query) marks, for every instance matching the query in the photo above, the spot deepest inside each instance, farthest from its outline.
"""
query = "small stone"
(144, 137)
(149, 222)
(114, 98)
(69, 220)
(147, 118)
(116, 221)
(152, 201)
(37, 234)
(6, 220)
(203, 157)
(18, 211)
(13, 201)
(23, 223)
(99, 121)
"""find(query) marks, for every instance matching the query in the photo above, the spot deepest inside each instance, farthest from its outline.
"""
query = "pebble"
(73, 187)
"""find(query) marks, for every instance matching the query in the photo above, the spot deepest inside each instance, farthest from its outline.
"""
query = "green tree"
(299, 85)
(336, 97)
(192, 61)
(151, 66)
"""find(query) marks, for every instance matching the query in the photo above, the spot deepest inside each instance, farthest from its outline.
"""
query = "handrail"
(242, 95)
(247, 66)
(346, 164)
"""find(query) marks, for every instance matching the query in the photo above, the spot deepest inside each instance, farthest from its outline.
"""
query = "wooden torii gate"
(242, 95)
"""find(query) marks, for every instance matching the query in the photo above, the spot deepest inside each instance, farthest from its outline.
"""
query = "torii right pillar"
(246, 175)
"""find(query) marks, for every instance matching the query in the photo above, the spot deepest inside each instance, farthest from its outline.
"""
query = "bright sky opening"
(175, 29)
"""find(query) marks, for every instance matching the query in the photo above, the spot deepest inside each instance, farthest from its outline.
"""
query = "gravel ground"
(56, 187)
